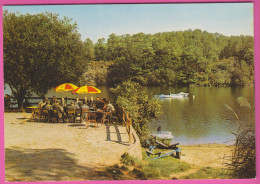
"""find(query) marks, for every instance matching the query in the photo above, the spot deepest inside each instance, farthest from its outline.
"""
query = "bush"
(128, 160)
(140, 104)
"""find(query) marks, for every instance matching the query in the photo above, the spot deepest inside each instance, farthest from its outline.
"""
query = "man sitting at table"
(60, 111)
(53, 100)
(84, 107)
(109, 107)
(72, 106)
(91, 102)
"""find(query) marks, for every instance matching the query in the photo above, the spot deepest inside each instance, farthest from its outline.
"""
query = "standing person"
(7, 101)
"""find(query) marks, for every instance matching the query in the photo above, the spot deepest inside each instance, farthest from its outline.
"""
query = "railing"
(127, 122)
(36, 100)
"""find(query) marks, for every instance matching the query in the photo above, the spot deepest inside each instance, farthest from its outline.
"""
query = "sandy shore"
(71, 152)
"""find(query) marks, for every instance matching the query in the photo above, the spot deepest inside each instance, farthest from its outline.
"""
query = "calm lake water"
(202, 119)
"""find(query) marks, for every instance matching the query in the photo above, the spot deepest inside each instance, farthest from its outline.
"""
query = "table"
(35, 110)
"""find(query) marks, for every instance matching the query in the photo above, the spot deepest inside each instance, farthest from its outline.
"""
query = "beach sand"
(71, 152)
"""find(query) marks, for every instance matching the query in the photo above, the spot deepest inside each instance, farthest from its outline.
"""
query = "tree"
(89, 49)
(40, 52)
(101, 50)
(141, 105)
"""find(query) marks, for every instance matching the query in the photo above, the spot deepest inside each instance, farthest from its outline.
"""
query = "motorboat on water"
(171, 95)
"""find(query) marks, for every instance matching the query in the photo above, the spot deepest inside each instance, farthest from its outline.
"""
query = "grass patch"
(163, 167)
(209, 173)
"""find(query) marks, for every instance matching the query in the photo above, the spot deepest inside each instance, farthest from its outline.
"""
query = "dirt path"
(55, 152)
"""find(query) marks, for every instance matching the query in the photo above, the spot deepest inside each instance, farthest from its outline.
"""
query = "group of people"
(59, 109)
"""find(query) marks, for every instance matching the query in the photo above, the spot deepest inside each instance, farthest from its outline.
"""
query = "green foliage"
(164, 167)
(128, 160)
(141, 105)
(89, 49)
(209, 173)
(40, 52)
(180, 58)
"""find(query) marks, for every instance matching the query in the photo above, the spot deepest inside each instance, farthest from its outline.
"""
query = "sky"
(99, 21)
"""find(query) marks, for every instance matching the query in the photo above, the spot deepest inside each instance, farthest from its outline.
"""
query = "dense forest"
(182, 58)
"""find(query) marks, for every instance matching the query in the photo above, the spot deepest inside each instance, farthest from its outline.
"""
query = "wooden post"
(129, 125)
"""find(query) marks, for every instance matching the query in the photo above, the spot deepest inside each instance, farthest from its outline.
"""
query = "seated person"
(60, 111)
(72, 106)
(84, 107)
(91, 102)
(100, 103)
(77, 101)
(53, 100)
(109, 107)
(46, 105)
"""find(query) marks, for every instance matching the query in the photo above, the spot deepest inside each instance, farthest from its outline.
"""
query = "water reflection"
(203, 119)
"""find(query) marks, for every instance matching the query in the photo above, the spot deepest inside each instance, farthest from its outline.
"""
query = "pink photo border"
(257, 86)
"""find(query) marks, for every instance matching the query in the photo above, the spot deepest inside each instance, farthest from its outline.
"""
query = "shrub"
(128, 160)
(140, 104)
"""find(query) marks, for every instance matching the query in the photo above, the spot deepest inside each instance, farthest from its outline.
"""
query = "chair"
(92, 117)
(46, 115)
(56, 115)
(106, 117)
(84, 116)
(36, 114)
(78, 115)
(71, 114)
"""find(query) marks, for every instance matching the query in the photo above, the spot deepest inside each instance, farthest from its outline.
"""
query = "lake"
(202, 119)
(199, 120)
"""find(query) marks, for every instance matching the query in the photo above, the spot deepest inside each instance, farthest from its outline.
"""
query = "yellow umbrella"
(65, 87)
(85, 90)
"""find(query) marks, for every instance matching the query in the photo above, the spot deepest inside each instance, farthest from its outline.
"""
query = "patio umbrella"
(65, 87)
(85, 90)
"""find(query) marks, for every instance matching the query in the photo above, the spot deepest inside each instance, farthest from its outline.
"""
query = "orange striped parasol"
(85, 90)
(65, 87)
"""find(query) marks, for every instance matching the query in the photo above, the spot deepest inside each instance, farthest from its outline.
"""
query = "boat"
(171, 95)
(163, 134)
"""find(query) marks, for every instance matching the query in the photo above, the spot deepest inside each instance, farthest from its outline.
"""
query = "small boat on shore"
(178, 95)
(163, 134)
